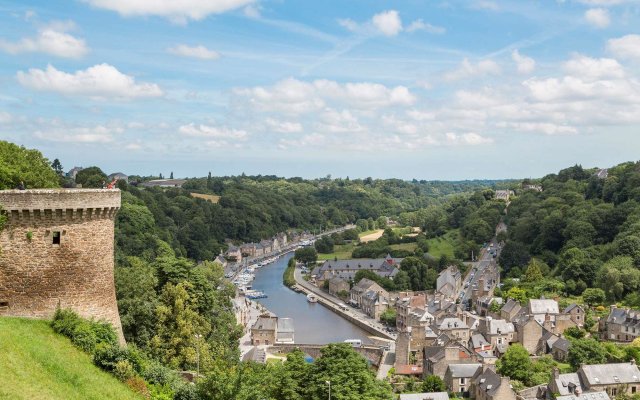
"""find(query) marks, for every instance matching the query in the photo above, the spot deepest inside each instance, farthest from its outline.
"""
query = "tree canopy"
(19, 164)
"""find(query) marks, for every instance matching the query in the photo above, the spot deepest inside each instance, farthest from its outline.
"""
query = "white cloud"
(420, 25)
(597, 17)
(51, 40)
(626, 47)
(283, 126)
(252, 11)
(525, 65)
(540, 127)
(292, 96)
(471, 138)
(65, 134)
(332, 121)
(593, 69)
(216, 132)
(200, 52)
(388, 22)
(604, 3)
(485, 5)
(468, 70)
(100, 81)
(176, 11)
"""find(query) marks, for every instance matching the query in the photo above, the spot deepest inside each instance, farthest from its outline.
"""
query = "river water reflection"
(314, 324)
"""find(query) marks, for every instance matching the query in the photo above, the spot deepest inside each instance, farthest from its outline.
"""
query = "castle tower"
(57, 249)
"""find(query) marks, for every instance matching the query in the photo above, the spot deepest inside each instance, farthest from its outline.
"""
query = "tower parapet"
(57, 249)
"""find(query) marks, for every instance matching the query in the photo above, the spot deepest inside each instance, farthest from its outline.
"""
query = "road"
(486, 263)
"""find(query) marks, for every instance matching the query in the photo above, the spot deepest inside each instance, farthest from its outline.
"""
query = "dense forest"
(582, 229)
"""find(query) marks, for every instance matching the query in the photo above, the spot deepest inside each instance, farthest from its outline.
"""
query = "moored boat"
(312, 298)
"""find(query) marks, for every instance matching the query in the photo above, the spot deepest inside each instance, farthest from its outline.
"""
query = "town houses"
(261, 249)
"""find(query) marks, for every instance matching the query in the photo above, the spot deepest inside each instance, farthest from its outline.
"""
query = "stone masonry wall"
(36, 275)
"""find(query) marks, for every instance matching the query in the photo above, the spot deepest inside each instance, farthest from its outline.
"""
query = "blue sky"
(407, 89)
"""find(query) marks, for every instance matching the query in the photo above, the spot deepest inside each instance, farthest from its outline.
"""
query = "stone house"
(528, 333)
(248, 250)
(504, 194)
(347, 269)
(437, 358)
(233, 254)
(541, 308)
(454, 328)
(406, 306)
(479, 343)
(449, 282)
(264, 331)
(483, 305)
(576, 314)
(267, 246)
(358, 291)
(374, 302)
(488, 385)
(497, 331)
(560, 349)
(221, 260)
(564, 384)
(622, 324)
(338, 285)
(458, 378)
(510, 310)
(615, 379)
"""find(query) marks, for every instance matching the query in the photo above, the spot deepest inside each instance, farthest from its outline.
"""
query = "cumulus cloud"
(283, 126)
(471, 139)
(593, 69)
(468, 69)
(177, 11)
(100, 81)
(65, 134)
(208, 131)
(200, 52)
(597, 17)
(525, 64)
(389, 23)
(53, 40)
(293, 96)
(540, 127)
(626, 47)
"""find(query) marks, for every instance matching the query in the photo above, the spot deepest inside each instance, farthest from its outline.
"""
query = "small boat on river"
(312, 298)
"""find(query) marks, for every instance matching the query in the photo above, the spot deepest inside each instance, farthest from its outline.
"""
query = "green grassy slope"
(37, 363)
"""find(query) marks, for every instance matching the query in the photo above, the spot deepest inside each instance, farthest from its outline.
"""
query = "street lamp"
(329, 383)
(198, 337)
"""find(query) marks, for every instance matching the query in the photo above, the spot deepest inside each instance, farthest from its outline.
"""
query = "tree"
(57, 167)
(324, 244)
(171, 175)
(593, 296)
(533, 273)
(306, 255)
(515, 363)
(91, 177)
(514, 254)
(586, 351)
(19, 164)
(574, 332)
(518, 294)
(432, 384)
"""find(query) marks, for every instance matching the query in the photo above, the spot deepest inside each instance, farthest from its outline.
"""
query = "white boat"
(311, 298)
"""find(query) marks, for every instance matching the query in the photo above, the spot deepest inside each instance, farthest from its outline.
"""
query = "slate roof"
(561, 344)
(478, 340)
(586, 396)
(568, 383)
(452, 323)
(425, 396)
(511, 306)
(500, 327)
(543, 306)
(611, 374)
(570, 308)
(463, 370)
(488, 381)
(265, 323)
(385, 267)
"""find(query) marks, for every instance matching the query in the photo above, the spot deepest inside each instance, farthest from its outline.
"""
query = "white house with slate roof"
(459, 376)
(541, 308)
(615, 379)
(346, 269)
(621, 325)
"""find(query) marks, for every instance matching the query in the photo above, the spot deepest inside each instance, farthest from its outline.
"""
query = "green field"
(365, 233)
(36, 363)
(404, 246)
(443, 244)
(341, 251)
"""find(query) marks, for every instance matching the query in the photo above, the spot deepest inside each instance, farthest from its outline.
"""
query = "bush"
(124, 370)
(83, 333)
(157, 374)
(107, 357)
(139, 386)
(187, 392)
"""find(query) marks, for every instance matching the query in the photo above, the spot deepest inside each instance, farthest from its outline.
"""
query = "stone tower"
(57, 249)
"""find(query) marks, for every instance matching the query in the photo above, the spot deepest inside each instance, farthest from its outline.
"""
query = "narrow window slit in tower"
(56, 238)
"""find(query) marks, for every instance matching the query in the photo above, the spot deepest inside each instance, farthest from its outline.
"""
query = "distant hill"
(36, 363)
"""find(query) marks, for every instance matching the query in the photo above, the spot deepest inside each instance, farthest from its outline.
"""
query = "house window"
(462, 382)
(633, 389)
(614, 391)
(56, 238)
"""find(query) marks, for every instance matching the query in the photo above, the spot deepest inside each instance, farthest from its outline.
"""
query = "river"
(313, 323)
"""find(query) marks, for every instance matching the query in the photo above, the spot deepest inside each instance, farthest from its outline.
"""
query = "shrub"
(123, 370)
(108, 356)
(187, 392)
(84, 334)
(157, 374)
(138, 385)
(159, 392)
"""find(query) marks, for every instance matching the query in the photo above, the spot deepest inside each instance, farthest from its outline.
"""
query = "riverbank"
(357, 318)
(288, 279)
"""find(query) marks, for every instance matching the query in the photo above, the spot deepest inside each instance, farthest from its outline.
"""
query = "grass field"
(340, 251)
(404, 246)
(370, 236)
(209, 197)
(443, 244)
(36, 363)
